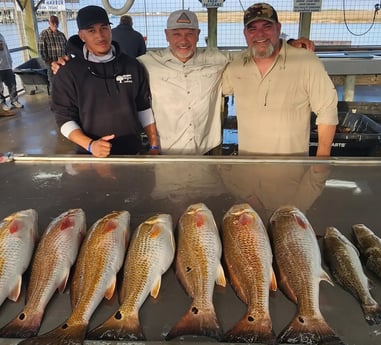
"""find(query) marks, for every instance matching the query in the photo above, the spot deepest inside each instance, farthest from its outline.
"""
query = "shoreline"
(327, 16)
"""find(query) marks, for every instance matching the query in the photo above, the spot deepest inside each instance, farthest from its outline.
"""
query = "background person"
(7, 77)
(51, 46)
(101, 99)
(131, 42)
(276, 87)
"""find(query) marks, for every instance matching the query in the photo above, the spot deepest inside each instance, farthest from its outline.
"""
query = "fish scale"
(56, 252)
(248, 258)
(149, 256)
(198, 268)
(298, 262)
(18, 236)
(343, 259)
(100, 258)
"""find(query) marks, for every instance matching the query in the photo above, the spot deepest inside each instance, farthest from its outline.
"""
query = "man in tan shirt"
(276, 87)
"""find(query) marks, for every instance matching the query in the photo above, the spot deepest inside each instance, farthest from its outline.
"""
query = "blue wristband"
(154, 147)
(89, 146)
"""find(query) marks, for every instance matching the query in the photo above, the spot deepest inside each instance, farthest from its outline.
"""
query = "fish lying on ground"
(344, 261)
(18, 237)
(55, 254)
(100, 257)
(248, 257)
(369, 245)
(198, 267)
(298, 262)
(150, 254)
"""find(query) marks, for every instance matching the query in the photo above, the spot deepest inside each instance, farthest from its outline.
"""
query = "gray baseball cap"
(182, 19)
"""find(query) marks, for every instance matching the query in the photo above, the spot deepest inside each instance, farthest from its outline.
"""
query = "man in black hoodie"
(102, 99)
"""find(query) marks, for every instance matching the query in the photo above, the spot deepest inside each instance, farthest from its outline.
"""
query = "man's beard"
(267, 53)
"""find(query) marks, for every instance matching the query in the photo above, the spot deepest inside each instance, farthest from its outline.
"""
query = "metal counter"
(337, 192)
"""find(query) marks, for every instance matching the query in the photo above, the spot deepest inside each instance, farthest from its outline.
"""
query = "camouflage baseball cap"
(260, 11)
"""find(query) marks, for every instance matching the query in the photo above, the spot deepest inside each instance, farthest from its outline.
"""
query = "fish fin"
(62, 285)
(288, 290)
(15, 292)
(372, 314)
(325, 276)
(62, 335)
(120, 326)
(273, 283)
(111, 289)
(23, 326)
(156, 288)
(308, 331)
(249, 330)
(197, 322)
(220, 279)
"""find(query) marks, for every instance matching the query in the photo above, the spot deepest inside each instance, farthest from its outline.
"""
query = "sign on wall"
(212, 3)
(307, 5)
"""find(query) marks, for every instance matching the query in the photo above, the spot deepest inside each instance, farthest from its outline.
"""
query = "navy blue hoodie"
(102, 98)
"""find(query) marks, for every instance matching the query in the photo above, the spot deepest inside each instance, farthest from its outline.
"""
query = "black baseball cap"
(91, 15)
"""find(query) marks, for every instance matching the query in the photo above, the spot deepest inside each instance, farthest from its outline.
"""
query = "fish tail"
(302, 330)
(64, 335)
(120, 326)
(197, 322)
(249, 330)
(372, 313)
(23, 326)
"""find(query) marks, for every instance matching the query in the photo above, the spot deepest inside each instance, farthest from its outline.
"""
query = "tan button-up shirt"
(274, 110)
(186, 99)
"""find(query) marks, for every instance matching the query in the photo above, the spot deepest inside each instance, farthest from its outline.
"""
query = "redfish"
(248, 257)
(298, 261)
(55, 254)
(198, 267)
(150, 254)
(18, 237)
(100, 258)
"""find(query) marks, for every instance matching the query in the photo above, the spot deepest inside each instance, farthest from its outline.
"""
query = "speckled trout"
(55, 254)
(369, 245)
(343, 259)
(298, 262)
(18, 236)
(150, 254)
(101, 256)
(248, 257)
(198, 267)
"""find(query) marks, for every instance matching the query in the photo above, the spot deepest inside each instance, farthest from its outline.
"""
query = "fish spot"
(118, 315)
(22, 316)
(64, 326)
(194, 310)
(188, 269)
(301, 320)
(250, 318)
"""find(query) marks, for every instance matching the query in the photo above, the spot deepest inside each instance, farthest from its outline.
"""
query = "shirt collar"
(98, 59)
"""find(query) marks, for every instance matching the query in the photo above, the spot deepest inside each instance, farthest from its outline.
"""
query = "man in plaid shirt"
(51, 46)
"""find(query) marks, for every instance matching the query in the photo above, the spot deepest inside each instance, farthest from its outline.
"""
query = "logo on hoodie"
(123, 79)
